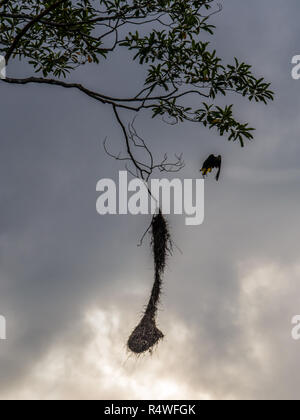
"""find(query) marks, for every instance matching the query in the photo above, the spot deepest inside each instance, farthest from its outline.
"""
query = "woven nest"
(146, 335)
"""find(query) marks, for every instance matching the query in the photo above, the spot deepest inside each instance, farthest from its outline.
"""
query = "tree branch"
(144, 170)
(119, 102)
(101, 98)
(132, 19)
(134, 161)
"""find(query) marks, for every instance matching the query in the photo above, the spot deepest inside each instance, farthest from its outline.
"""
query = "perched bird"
(211, 163)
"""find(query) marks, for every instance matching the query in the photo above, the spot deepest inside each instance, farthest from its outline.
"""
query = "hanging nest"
(146, 335)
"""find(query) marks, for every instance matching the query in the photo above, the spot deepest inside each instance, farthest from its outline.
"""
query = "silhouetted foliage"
(170, 39)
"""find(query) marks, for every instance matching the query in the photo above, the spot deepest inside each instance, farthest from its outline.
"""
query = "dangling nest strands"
(146, 335)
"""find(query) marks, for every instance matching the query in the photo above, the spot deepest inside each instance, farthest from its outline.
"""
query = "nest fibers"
(146, 335)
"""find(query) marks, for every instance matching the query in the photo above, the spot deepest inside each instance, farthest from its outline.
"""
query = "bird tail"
(205, 171)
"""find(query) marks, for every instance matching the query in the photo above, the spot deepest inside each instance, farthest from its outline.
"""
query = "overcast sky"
(73, 283)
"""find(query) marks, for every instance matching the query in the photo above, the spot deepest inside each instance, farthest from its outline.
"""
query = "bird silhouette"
(210, 163)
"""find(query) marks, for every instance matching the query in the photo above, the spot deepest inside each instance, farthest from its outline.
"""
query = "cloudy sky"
(73, 283)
